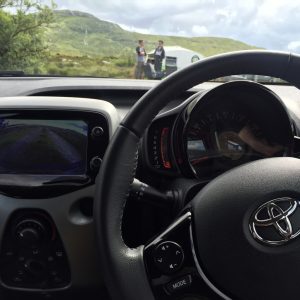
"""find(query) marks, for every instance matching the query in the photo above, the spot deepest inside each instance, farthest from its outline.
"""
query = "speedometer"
(217, 132)
(214, 140)
(224, 130)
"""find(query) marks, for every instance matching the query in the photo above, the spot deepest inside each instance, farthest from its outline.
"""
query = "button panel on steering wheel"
(170, 264)
(168, 257)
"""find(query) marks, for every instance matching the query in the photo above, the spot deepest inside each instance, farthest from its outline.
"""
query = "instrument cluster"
(218, 129)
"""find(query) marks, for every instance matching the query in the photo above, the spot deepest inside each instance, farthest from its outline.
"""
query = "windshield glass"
(147, 39)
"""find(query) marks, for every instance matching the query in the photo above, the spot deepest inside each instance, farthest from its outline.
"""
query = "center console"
(51, 149)
(33, 255)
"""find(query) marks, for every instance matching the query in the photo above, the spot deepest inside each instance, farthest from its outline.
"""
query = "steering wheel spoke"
(171, 265)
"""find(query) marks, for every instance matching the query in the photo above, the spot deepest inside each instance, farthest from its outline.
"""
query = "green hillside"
(78, 33)
(83, 44)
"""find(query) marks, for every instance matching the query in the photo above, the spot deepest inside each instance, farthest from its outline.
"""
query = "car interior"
(180, 189)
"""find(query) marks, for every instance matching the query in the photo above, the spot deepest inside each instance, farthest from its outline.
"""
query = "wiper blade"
(12, 73)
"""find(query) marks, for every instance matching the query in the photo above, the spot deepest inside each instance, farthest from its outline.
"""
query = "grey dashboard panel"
(26, 86)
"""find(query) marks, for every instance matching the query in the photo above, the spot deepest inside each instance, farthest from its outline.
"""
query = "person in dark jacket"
(140, 60)
(159, 55)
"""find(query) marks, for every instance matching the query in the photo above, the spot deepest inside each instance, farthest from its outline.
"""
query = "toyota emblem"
(271, 223)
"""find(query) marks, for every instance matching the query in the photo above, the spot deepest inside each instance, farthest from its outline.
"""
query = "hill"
(78, 33)
(80, 43)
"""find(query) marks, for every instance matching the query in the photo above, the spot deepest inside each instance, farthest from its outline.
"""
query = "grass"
(65, 65)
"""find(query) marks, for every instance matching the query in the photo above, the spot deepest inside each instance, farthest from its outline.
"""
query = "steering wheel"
(223, 220)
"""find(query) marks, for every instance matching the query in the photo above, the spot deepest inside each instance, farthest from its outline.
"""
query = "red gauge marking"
(164, 147)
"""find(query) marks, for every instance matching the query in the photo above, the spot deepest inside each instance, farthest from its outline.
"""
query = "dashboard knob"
(30, 232)
(29, 235)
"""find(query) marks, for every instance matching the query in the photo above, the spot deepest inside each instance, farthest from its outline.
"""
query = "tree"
(22, 26)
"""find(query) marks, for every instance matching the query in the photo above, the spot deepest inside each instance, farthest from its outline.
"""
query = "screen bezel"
(95, 147)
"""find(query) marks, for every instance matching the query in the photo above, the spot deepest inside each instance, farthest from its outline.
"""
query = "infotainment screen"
(43, 147)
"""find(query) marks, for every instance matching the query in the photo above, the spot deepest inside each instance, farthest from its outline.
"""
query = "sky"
(271, 24)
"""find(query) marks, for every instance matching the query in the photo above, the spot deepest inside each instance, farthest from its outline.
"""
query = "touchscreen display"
(45, 147)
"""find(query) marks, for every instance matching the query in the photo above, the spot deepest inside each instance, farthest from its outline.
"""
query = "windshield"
(135, 39)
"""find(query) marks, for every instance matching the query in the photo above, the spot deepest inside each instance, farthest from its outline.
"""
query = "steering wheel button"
(168, 257)
(179, 283)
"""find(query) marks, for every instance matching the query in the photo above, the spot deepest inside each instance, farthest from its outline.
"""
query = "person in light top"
(140, 60)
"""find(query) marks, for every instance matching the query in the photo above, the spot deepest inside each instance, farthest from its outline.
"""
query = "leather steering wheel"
(227, 256)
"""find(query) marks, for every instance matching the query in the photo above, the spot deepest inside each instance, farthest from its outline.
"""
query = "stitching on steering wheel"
(134, 164)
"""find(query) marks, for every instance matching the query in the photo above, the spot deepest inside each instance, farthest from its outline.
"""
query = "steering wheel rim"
(123, 268)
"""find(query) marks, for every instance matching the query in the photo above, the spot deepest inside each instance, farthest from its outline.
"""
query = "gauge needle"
(217, 140)
(259, 145)
(197, 161)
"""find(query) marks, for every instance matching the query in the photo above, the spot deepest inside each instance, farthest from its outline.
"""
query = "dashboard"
(54, 134)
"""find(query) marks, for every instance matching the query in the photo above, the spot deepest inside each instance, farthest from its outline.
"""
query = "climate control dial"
(30, 232)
